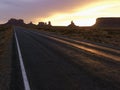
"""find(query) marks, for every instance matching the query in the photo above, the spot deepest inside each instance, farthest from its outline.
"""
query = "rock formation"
(108, 22)
(13, 21)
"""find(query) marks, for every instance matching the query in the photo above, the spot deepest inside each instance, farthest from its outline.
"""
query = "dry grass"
(5, 60)
(4, 36)
(108, 36)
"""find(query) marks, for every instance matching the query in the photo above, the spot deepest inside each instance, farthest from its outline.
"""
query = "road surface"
(45, 62)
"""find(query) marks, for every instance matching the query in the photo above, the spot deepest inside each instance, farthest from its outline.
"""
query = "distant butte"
(13, 21)
(113, 22)
(103, 22)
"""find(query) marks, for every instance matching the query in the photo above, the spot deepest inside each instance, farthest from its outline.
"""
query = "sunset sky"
(59, 12)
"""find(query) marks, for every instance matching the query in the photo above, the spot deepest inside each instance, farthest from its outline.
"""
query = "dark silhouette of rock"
(72, 24)
(13, 21)
(30, 24)
(49, 23)
(42, 24)
(108, 22)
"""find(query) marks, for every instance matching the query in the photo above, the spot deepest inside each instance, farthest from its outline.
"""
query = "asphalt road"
(51, 64)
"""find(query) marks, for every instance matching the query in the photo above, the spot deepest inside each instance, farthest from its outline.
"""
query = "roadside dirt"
(105, 36)
(5, 58)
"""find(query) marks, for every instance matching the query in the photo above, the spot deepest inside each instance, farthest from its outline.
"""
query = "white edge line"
(24, 75)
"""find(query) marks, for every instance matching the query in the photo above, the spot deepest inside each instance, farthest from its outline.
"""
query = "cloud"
(86, 13)
(32, 9)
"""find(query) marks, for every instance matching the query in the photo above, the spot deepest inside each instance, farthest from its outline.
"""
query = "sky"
(59, 12)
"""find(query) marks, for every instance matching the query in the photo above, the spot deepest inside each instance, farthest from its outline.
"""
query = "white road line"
(25, 80)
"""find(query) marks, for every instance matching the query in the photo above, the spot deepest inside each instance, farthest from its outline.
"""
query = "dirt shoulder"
(105, 36)
(5, 56)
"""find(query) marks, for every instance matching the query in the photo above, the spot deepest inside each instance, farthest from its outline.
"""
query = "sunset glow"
(60, 13)
(87, 15)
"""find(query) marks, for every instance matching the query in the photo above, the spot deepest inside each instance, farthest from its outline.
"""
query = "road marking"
(25, 80)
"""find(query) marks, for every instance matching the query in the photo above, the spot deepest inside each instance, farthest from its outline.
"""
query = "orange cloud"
(87, 14)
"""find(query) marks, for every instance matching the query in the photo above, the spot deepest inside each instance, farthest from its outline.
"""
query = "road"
(57, 63)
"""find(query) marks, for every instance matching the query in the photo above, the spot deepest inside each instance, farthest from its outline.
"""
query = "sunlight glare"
(86, 16)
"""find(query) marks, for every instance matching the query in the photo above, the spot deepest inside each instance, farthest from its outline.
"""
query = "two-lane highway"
(47, 63)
